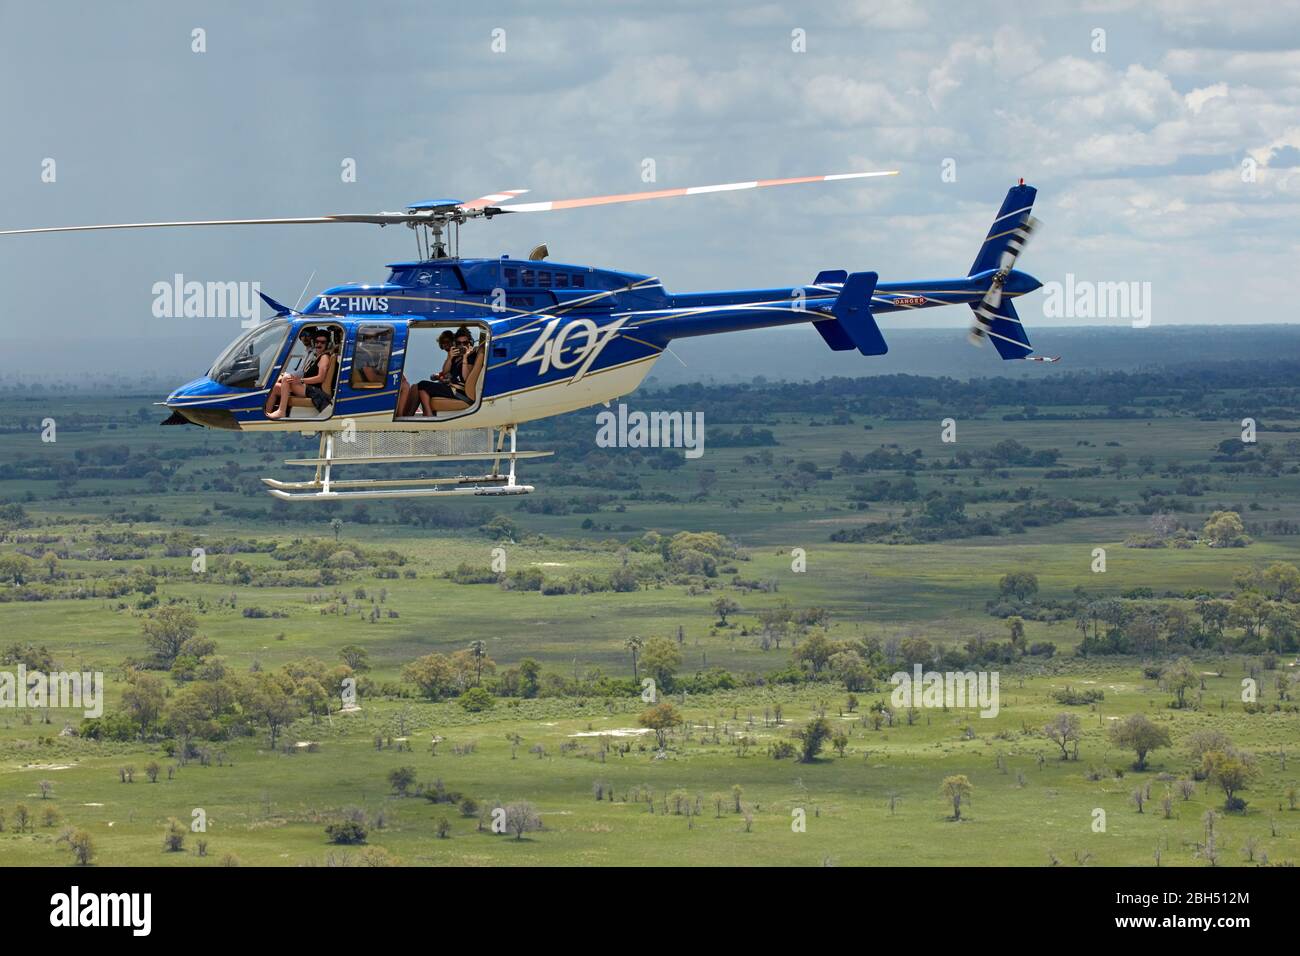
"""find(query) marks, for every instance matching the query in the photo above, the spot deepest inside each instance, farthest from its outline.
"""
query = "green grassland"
(270, 807)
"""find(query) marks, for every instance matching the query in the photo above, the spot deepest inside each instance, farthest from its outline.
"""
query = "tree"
(1137, 733)
(1283, 581)
(194, 712)
(478, 648)
(1249, 611)
(530, 678)
(433, 674)
(840, 742)
(401, 779)
(356, 657)
(1178, 678)
(269, 699)
(82, 846)
(1214, 615)
(722, 607)
(1225, 530)
(849, 667)
(346, 833)
(1231, 771)
(1203, 741)
(661, 659)
(814, 734)
(522, 817)
(167, 629)
(1016, 627)
(143, 699)
(634, 645)
(815, 652)
(174, 836)
(1063, 730)
(956, 789)
(1022, 585)
(477, 699)
(15, 568)
(661, 718)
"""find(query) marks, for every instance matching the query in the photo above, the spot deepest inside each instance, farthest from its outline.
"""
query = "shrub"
(347, 833)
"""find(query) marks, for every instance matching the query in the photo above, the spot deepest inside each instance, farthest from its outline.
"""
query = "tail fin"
(1003, 234)
(995, 317)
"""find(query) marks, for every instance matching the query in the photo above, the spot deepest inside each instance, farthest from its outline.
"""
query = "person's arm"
(472, 378)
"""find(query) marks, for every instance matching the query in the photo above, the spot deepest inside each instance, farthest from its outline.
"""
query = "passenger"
(310, 384)
(468, 366)
(305, 336)
(448, 382)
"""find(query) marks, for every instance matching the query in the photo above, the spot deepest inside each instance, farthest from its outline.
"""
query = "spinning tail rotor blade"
(557, 204)
(1015, 245)
(987, 310)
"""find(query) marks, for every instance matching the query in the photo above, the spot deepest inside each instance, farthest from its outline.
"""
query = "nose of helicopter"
(200, 402)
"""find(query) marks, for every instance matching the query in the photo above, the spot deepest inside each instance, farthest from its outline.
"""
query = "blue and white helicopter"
(552, 338)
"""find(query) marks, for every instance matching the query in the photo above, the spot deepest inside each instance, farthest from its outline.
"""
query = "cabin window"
(543, 279)
(512, 277)
(247, 362)
(370, 357)
(561, 280)
(579, 281)
(526, 278)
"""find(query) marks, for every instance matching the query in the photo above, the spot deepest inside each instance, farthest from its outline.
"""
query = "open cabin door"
(443, 372)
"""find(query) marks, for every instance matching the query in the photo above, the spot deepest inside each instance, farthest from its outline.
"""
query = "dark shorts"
(441, 390)
(319, 397)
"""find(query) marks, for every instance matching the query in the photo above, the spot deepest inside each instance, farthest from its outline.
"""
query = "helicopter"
(552, 338)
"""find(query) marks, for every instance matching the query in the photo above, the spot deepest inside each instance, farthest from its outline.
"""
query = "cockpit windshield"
(245, 363)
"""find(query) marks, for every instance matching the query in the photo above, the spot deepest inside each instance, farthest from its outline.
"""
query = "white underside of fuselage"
(512, 408)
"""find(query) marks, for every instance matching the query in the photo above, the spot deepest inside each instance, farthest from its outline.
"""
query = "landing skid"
(370, 448)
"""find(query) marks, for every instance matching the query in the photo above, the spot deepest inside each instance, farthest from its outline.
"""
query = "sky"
(1164, 139)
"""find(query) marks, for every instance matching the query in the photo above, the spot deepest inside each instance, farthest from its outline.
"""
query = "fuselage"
(557, 337)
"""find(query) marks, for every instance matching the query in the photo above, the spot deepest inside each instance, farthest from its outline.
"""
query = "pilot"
(310, 384)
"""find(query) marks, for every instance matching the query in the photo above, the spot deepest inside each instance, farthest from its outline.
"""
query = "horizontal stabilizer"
(831, 277)
(852, 311)
(1003, 327)
(834, 335)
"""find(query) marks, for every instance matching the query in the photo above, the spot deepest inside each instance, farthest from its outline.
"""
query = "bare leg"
(403, 398)
(287, 391)
(273, 395)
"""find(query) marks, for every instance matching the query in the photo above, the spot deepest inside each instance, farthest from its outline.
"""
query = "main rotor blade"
(382, 219)
(492, 199)
(555, 204)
